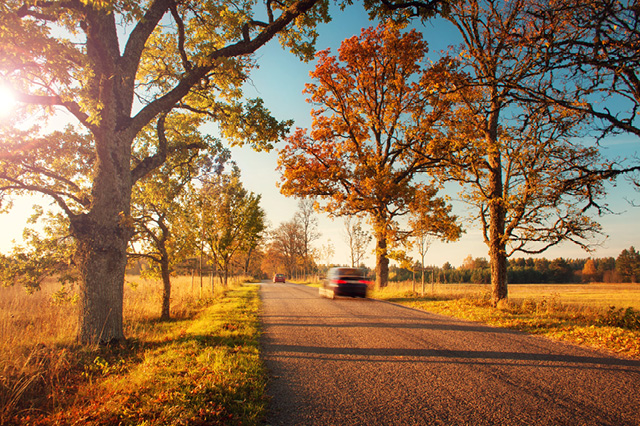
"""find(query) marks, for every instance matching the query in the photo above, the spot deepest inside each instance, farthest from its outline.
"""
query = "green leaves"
(231, 218)
(45, 254)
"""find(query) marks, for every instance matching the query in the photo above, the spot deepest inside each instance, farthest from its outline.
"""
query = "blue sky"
(280, 81)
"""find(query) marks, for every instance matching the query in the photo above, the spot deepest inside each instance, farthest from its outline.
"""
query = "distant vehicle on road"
(350, 282)
(278, 278)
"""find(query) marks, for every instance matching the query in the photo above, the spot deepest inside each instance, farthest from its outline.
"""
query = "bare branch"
(183, 54)
(156, 160)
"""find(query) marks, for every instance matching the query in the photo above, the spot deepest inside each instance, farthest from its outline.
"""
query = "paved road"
(363, 362)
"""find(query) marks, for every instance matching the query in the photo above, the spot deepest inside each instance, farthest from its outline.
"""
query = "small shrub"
(627, 318)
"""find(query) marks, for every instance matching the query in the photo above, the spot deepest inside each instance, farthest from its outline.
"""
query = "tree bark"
(165, 314)
(101, 258)
(382, 261)
(497, 240)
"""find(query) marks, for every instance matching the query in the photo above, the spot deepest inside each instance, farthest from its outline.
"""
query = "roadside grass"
(202, 367)
(580, 314)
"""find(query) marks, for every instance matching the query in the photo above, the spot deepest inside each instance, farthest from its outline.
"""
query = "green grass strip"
(205, 370)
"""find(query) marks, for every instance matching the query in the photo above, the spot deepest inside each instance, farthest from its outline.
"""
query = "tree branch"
(56, 100)
(156, 160)
(191, 77)
(183, 54)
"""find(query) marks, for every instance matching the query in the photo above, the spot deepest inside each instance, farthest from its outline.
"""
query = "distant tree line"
(287, 248)
(623, 269)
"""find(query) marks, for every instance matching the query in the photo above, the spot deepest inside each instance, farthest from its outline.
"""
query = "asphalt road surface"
(365, 362)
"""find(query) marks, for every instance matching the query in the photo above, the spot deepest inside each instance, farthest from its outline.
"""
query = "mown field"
(593, 295)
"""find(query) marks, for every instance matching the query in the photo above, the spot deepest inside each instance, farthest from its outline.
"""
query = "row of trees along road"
(122, 68)
(117, 68)
(503, 114)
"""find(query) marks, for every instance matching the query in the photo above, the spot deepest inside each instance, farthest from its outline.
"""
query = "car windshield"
(348, 272)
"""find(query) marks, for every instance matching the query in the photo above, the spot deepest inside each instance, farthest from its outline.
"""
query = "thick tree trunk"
(382, 261)
(497, 241)
(101, 258)
(102, 236)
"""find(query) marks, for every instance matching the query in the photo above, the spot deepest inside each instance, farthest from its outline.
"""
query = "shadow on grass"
(56, 373)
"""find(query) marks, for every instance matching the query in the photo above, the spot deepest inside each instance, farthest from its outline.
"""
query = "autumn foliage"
(373, 115)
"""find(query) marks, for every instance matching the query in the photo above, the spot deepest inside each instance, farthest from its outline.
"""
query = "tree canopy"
(231, 219)
(113, 68)
(521, 161)
(374, 114)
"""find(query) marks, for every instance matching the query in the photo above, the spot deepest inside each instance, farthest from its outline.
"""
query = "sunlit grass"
(202, 367)
(580, 314)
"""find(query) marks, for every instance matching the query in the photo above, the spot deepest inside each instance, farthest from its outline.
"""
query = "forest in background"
(623, 269)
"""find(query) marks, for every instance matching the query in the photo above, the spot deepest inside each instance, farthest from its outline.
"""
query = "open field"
(202, 367)
(205, 364)
(603, 316)
(594, 295)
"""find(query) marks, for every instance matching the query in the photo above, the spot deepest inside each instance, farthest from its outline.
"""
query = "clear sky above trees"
(280, 81)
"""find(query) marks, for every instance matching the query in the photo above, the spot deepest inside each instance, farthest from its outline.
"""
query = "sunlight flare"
(7, 100)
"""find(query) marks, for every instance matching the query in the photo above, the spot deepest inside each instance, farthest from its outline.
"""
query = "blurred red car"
(278, 278)
(350, 282)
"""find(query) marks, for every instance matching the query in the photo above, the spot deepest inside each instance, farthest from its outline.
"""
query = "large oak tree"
(114, 67)
(521, 159)
(373, 115)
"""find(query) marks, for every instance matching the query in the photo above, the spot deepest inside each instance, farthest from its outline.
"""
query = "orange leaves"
(375, 120)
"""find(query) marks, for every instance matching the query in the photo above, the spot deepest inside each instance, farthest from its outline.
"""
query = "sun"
(7, 101)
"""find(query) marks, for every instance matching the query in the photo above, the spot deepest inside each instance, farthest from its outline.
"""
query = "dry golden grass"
(598, 295)
(594, 295)
(27, 320)
(38, 351)
(30, 320)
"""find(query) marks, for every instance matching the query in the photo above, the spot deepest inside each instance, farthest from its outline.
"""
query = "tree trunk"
(166, 289)
(101, 258)
(382, 261)
(247, 263)
(102, 235)
(497, 241)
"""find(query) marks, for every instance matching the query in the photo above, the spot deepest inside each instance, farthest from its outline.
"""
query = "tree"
(309, 224)
(517, 159)
(357, 238)
(628, 265)
(160, 202)
(360, 154)
(73, 56)
(423, 241)
(327, 251)
(287, 244)
(589, 271)
(232, 219)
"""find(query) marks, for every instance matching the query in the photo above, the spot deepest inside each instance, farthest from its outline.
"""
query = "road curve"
(365, 362)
